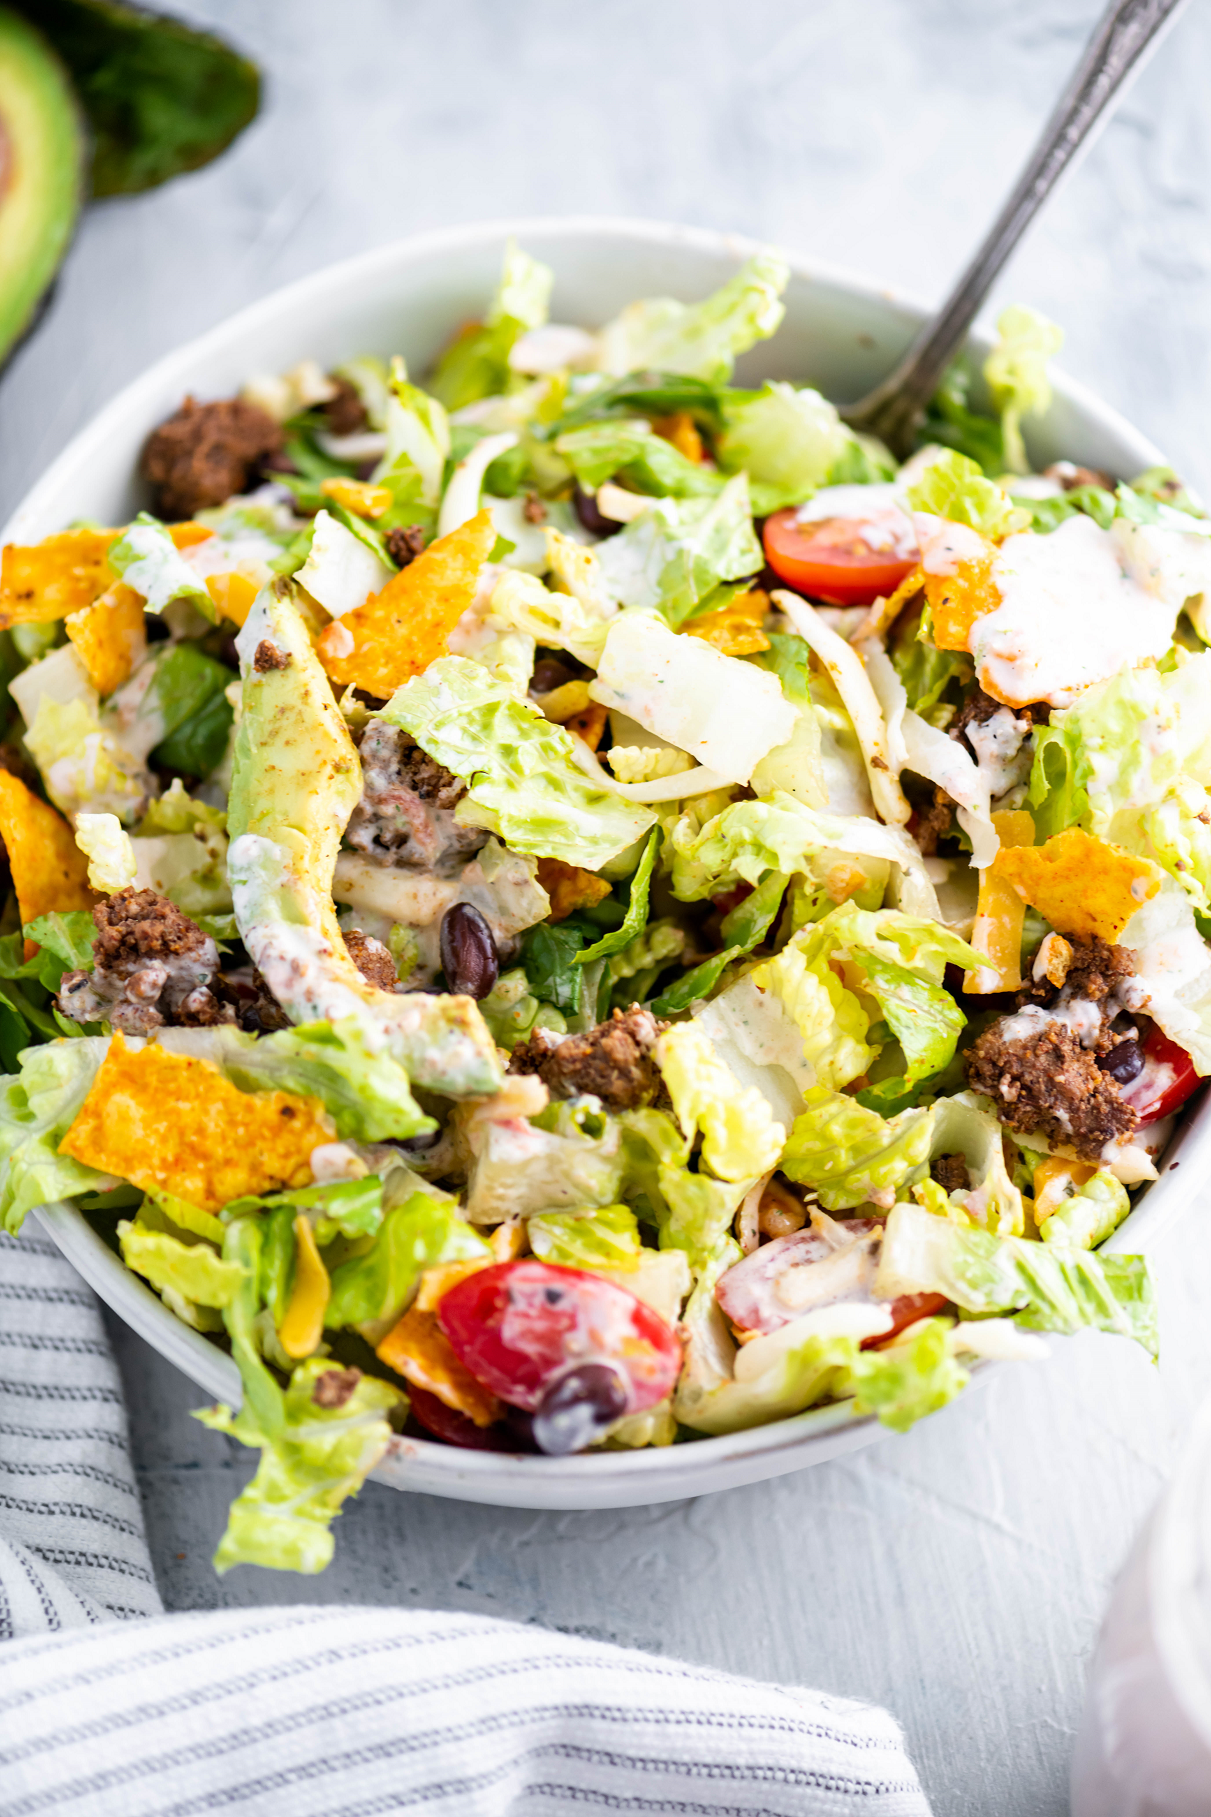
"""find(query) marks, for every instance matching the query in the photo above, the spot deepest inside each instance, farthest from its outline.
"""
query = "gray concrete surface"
(958, 1574)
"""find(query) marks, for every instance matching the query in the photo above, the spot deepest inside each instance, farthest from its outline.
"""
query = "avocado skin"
(43, 154)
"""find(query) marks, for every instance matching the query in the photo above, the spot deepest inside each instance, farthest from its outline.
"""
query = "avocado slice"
(42, 155)
(295, 782)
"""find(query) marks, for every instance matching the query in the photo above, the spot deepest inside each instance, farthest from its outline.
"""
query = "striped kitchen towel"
(108, 1708)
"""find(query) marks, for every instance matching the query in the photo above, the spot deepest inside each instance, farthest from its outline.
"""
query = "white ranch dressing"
(1070, 615)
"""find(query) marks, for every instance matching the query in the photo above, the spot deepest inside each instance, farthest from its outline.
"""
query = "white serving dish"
(841, 334)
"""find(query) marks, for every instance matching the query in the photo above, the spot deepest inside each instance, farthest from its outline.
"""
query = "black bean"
(549, 674)
(468, 951)
(1124, 1062)
(578, 1407)
(591, 517)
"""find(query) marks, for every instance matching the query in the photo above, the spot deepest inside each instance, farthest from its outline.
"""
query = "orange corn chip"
(109, 636)
(1080, 884)
(232, 594)
(61, 574)
(1000, 913)
(681, 430)
(65, 573)
(418, 1349)
(358, 496)
(171, 1123)
(957, 600)
(569, 887)
(735, 629)
(49, 869)
(400, 631)
(588, 725)
(884, 613)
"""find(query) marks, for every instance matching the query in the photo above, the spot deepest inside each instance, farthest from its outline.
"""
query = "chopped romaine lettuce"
(525, 784)
(146, 558)
(904, 1381)
(37, 1108)
(849, 1154)
(567, 1158)
(193, 1270)
(701, 339)
(954, 487)
(371, 1291)
(740, 1139)
(629, 449)
(672, 556)
(1016, 373)
(476, 363)
(787, 440)
(605, 1238)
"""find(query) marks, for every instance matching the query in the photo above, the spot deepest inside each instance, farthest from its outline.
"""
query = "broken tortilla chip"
(48, 868)
(397, 633)
(418, 1349)
(1082, 885)
(682, 431)
(172, 1123)
(66, 572)
(957, 599)
(569, 887)
(1000, 914)
(110, 637)
(588, 725)
(735, 629)
(358, 496)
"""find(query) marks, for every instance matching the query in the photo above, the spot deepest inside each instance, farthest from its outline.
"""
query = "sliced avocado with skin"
(42, 157)
(296, 780)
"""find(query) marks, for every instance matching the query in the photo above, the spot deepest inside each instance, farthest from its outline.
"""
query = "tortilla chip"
(110, 637)
(66, 572)
(957, 600)
(682, 431)
(232, 594)
(589, 724)
(400, 631)
(418, 1349)
(61, 574)
(569, 887)
(49, 870)
(358, 496)
(1080, 884)
(1000, 914)
(735, 630)
(172, 1123)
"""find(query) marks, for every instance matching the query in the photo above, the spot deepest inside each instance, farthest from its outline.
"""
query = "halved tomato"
(844, 561)
(1167, 1080)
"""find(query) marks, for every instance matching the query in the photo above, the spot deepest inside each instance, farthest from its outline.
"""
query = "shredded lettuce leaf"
(740, 1139)
(37, 1108)
(701, 339)
(1016, 373)
(371, 1291)
(849, 1154)
(952, 486)
(787, 440)
(678, 552)
(146, 558)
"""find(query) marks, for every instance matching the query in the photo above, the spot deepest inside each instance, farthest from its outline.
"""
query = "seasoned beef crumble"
(153, 967)
(406, 814)
(614, 1061)
(206, 452)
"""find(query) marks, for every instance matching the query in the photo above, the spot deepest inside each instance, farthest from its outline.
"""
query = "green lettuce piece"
(312, 1460)
(743, 928)
(900, 1383)
(925, 671)
(674, 556)
(372, 1290)
(37, 1108)
(788, 441)
(924, 1018)
(605, 1238)
(652, 393)
(637, 910)
(525, 784)
(697, 1210)
(364, 1089)
(414, 462)
(1092, 1214)
(849, 1154)
(568, 1158)
(954, 487)
(476, 363)
(549, 955)
(747, 839)
(701, 339)
(147, 559)
(178, 812)
(1048, 1286)
(350, 1208)
(1016, 374)
(188, 692)
(831, 1022)
(193, 1270)
(599, 451)
(968, 1125)
(950, 421)
(69, 937)
(740, 1139)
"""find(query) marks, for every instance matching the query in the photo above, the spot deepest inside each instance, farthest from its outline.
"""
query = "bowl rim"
(476, 1475)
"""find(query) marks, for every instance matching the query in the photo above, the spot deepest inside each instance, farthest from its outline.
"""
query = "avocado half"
(42, 162)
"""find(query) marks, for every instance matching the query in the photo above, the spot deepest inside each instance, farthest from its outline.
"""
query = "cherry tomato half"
(905, 1312)
(845, 561)
(1167, 1080)
(520, 1326)
(454, 1428)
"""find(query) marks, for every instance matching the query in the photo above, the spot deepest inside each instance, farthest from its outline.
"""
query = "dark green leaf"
(68, 937)
(549, 958)
(646, 394)
(199, 743)
(637, 910)
(161, 97)
(744, 928)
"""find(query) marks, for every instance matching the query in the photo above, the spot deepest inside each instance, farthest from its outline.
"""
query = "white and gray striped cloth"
(109, 1708)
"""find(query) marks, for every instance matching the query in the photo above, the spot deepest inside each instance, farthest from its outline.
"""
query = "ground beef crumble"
(1094, 969)
(950, 1172)
(933, 823)
(403, 546)
(372, 959)
(406, 814)
(1047, 1083)
(344, 413)
(268, 656)
(335, 1386)
(614, 1061)
(153, 967)
(206, 453)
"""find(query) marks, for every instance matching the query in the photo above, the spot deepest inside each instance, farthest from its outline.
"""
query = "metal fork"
(1128, 30)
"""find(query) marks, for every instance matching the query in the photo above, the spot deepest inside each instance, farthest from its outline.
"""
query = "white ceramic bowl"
(840, 334)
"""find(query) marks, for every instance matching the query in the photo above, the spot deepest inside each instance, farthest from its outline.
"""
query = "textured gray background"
(958, 1574)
